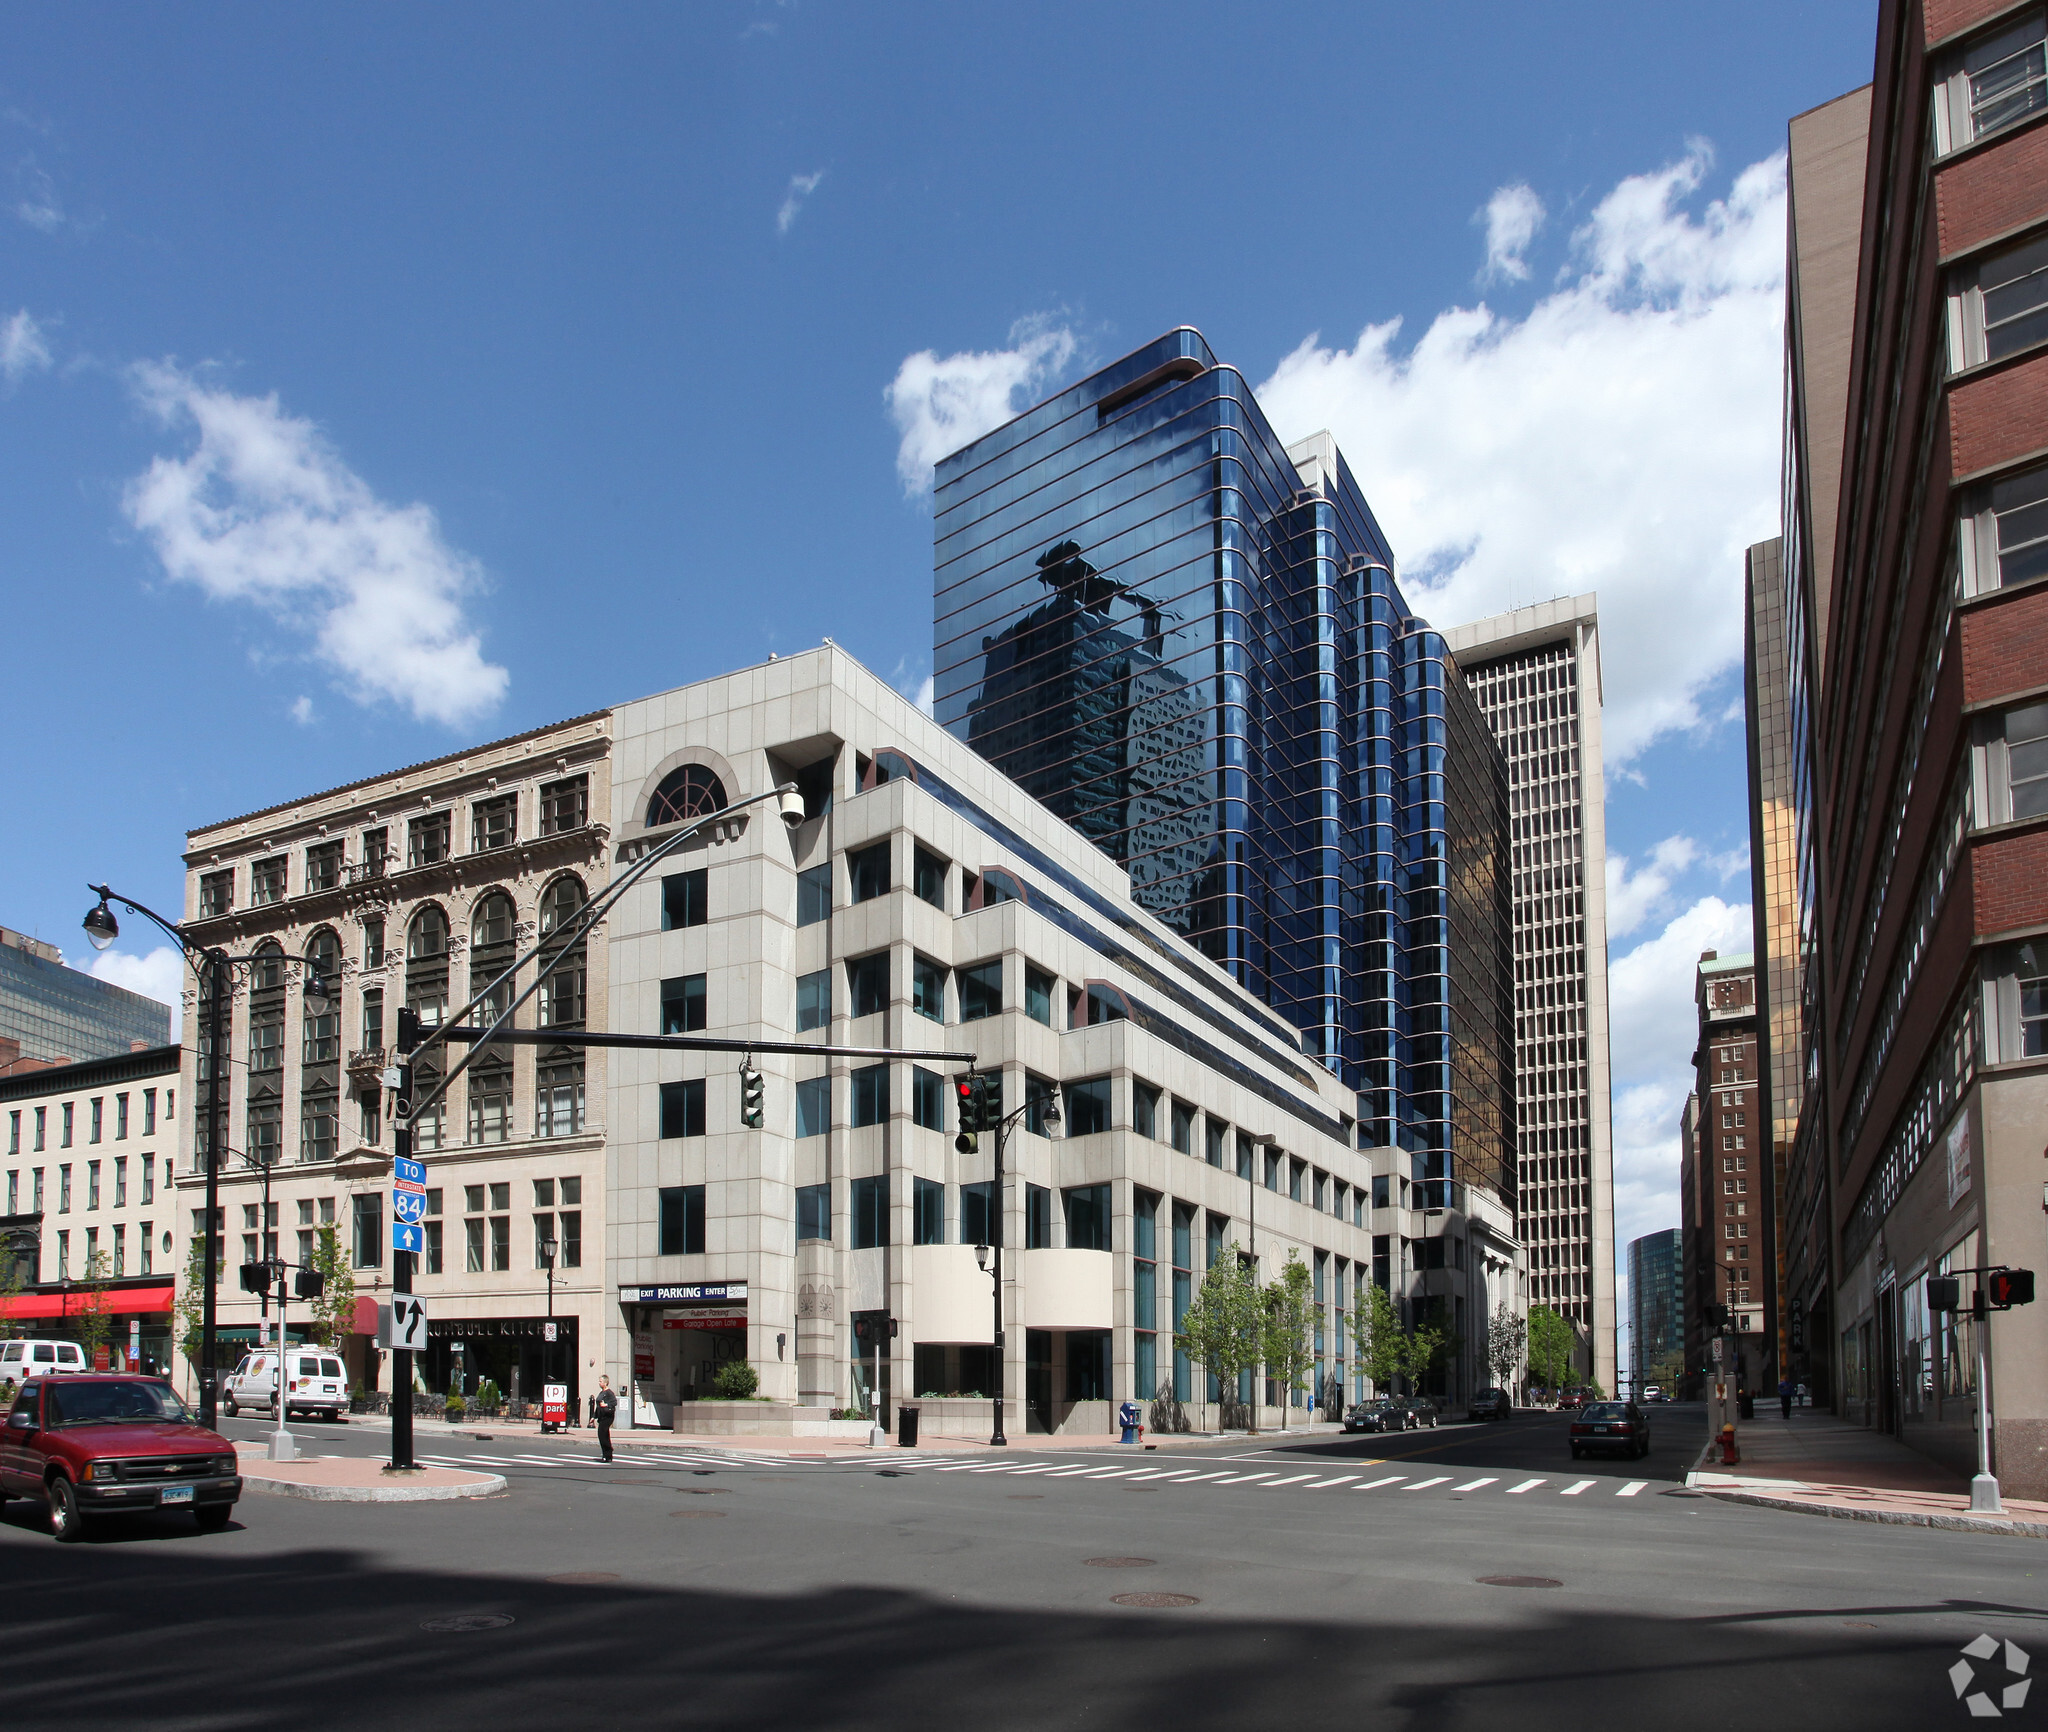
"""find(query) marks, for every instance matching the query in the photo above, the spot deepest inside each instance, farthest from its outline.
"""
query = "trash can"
(906, 1427)
(1745, 1404)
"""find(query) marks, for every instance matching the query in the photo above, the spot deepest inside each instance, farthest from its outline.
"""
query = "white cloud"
(159, 975)
(1633, 897)
(23, 347)
(302, 710)
(264, 511)
(1512, 217)
(940, 403)
(913, 685)
(38, 204)
(801, 186)
(1622, 437)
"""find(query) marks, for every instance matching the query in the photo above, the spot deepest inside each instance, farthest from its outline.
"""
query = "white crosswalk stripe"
(1526, 1485)
(1475, 1484)
(1296, 1479)
(1325, 1484)
(1574, 1490)
(1425, 1484)
(1633, 1486)
(1375, 1484)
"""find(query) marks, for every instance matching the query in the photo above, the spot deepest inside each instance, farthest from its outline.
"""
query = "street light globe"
(548, 1248)
(981, 1258)
(318, 997)
(101, 928)
(1049, 1117)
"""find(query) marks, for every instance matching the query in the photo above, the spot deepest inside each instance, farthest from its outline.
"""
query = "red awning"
(119, 1302)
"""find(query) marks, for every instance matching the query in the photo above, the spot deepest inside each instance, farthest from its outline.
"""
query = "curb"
(485, 1485)
(1890, 1518)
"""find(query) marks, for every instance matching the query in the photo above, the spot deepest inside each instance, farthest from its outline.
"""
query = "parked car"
(1619, 1426)
(1490, 1404)
(314, 1382)
(1570, 1400)
(95, 1444)
(1387, 1413)
(21, 1360)
(1425, 1411)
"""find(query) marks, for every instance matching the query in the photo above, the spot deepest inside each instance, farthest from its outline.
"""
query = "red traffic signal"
(2005, 1288)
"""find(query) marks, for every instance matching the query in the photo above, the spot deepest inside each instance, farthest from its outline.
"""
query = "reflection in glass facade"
(1187, 640)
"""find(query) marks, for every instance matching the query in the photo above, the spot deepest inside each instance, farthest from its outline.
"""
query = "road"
(1328, 1582)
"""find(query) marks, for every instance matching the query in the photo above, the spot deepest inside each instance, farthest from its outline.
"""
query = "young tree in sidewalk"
(335, 1310)
(95, 1327)
(1551, 1342)
(1507, 1338)
(1426, 1349)
(1288, 1348)
(1222, 1330)
(188, 1313)
(1382, 1345)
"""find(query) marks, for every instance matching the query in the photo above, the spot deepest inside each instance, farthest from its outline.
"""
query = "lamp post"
(548, 1248)
(989, 1258)
(213, 966)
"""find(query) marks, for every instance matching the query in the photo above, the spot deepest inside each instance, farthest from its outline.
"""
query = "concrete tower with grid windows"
(1536, 674)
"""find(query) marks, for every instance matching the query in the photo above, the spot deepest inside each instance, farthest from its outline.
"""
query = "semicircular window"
(690, 792)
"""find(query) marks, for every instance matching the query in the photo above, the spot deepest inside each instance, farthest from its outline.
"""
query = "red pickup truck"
(97, 1445)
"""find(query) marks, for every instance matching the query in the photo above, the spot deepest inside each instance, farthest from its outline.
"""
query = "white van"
(21, 1360)
(314, 1382)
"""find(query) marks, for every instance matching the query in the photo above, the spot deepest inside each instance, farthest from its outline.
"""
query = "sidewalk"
(1819, 1465)
(839, 1449)
(356, 1479)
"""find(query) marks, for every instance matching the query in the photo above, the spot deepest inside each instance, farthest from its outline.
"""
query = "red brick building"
(1927, 717)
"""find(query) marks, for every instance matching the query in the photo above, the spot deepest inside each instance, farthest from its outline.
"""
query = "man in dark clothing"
(1785, 1396)
(606, 1407)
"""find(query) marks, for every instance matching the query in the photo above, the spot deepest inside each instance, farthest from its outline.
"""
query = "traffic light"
(309, 1284)
(255, 1277)
(871, 1328)
(1944, 1293)
(753, 1098)
(1717, 1317)
(2006, 1288)
(408, 1029)
(965, 1096)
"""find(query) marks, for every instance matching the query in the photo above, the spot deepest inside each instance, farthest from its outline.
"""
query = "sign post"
(403, 1169)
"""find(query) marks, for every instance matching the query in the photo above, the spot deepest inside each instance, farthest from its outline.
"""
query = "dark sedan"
(97, 1445)
(1389, 1413)
(1490, 1404)
(1619, 1427)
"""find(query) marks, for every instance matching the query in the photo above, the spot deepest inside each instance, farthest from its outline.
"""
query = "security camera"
(790, 804)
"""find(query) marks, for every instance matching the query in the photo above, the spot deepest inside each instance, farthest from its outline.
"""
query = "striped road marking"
(1475, 1484)
(1375, 1484)
(1574, 1490)
(1633, 1486)
(1425, 1484)
(1526, 1485)
(1243, 1477)
(1322, 1484)
(1295, 1480)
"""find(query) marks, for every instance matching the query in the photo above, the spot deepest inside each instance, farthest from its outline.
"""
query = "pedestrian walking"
(605, 1406)
(1785, 1396)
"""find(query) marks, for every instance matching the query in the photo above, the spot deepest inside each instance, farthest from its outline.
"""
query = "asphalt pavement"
(1414, 1580)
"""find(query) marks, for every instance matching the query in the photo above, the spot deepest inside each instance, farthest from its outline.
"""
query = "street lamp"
(548, 1248)
(212, 964)
(1050, 1120)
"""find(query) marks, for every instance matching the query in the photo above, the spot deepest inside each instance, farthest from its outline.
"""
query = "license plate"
(1601, 1429)
(176, 1494)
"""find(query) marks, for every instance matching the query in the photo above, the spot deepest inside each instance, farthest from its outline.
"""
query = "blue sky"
(600, 350)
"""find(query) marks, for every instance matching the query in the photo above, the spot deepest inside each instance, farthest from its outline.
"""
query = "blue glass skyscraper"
(1187, 640)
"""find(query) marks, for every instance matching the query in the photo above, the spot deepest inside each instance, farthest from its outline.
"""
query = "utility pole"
(408, 1037)
(216, 974)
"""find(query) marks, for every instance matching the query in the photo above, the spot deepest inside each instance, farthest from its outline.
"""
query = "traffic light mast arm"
(565, 938)
(692, 1043)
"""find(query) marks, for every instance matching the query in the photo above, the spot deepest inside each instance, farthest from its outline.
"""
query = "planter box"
(762, 1419)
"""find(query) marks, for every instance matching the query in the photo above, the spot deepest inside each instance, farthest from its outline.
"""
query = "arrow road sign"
(408, 1206)
(409, 1172)
(402, 1324)
(408, 1236)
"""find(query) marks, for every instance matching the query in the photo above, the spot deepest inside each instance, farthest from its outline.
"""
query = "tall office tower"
(1774, 917)
(1824, 187)
(1725, 1201)
(1656, 1299)
(1930, 734)
(1188, 641)
(52, 1013)
(1536, 674)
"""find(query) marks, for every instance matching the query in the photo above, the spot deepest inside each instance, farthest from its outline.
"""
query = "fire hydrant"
(1729, 1454)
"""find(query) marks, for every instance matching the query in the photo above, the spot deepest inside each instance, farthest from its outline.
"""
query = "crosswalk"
(626, 1458)
(1278, 1479)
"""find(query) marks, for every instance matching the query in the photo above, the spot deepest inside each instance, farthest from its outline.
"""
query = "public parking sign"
(554, 1403)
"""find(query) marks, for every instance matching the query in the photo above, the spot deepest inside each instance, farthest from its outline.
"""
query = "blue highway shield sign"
(408, 1206)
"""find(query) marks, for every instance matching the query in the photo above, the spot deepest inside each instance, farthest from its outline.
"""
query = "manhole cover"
(1155, 1600)
(584, 1578)
(464, 1622)
(1119, 1563)
(702, 1515)
(1519, 1581)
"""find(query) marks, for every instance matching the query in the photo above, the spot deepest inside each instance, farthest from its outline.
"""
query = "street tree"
(1289, 1349)
(95, 1327)
(1427, 1349)
(1223, 1329)
(1551, 1343)
(189, 1311)
(1382, 1344)
(334, 1311)
(14, 1270)
(1507, 1338)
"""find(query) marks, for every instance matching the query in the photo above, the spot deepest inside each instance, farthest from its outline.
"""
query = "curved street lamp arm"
(565, 940)
(185, 942)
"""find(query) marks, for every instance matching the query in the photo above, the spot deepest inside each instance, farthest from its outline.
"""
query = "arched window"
(689, 792)
(426, 994)
(264, 1131)
(491, 951)
(558, 1074)
(320, 1051)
